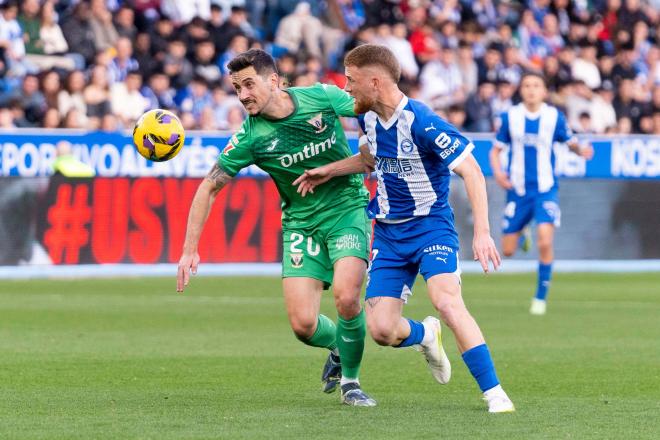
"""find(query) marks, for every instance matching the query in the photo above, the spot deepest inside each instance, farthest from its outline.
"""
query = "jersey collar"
(395, 116)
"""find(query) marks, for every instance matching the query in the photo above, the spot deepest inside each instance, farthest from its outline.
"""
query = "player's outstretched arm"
(310, 179)
(582, 150)
(214, 181)
(483, 245)
(501, 177)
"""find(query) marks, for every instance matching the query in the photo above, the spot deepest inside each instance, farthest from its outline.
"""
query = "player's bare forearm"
(483, 246)
(475, 185)
(582, 150)
(201, 205)
(350, 165)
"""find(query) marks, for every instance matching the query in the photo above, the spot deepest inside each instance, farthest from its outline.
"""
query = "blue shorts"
(520, 210)
(426, 245)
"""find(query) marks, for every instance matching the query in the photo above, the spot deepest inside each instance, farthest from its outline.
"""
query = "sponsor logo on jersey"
(348, 241)
(391, 165)
(430, 127)
(228, 148)
(296, 261)
(310, 150)
(317, 122)
(234, 140)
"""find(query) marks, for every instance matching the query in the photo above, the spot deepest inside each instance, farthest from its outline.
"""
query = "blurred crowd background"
(99, 64)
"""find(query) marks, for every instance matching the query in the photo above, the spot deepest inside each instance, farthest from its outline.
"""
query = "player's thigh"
(546, 209)
(518, 212)
(545, 235)
(347, 241)
(302, 299)
(305, 254)
(389, 274)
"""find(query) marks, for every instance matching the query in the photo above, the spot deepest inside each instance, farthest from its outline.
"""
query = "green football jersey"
(310, 137)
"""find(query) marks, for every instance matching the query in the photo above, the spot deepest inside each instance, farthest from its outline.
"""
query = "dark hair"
(534, 74)
(262, 62)
(374, 55)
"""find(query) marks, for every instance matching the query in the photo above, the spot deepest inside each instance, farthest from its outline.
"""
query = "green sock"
(350, 341)
(325, 334)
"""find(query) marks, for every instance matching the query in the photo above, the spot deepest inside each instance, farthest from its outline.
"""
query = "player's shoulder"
(426, 120)
(318, 90)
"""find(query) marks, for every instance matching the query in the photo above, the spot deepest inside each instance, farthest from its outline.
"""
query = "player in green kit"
(326, 238)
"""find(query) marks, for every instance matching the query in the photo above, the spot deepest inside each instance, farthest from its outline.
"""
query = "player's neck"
(280, 106)
(533, 108)
(387, 104)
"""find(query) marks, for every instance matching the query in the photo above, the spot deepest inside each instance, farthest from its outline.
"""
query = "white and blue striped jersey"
(528, 140)
(415, 150)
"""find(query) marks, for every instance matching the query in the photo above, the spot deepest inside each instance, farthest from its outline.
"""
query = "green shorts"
(312, 253)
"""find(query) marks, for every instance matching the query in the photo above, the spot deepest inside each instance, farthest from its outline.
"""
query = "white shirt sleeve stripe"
(461, 157)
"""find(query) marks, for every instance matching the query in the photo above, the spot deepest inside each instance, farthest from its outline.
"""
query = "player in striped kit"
(527, 135)
(413, 151)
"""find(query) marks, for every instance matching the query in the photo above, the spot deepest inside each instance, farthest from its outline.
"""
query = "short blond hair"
(374, 55)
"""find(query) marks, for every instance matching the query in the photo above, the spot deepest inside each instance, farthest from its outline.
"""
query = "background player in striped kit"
(413, 151)
(527, 135)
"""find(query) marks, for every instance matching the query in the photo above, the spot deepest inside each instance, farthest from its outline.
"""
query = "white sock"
(496, 390)
(429, 334)
(345, 380)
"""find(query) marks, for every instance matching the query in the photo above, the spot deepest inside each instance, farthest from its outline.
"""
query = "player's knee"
(451, 311)
(303, 328)
(347, 302)
(381, 333)
(508, 252)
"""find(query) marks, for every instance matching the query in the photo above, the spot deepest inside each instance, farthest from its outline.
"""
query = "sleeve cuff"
(461, 157)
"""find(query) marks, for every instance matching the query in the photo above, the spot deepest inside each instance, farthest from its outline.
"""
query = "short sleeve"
(442, 139)
(503, 134)
(341, 101)
(563, 132)
(237, 154)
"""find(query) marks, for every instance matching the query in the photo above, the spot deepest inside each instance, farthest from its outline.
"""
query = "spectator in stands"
(72, 96)
(97, 96)
(234, 25)
(585, 65)
(158, 91)
(512, 69)
(238, 44)
(142, 53)
(11, 39)
(502, 101)
(204, 62)
(468, 67)
(441, 81)
(196, 98)
(123, 62)
(490, 66)
(30, 24)
(50, 87)
(394, 37)
(79, 34)
(627, 106)
(6, 118)
(50, 32)
(124, 21)
(126, 101)
(456, 116)
(214, 26)
(602, 111)
(51, 119)
(182, 11)
(161, 35)
(623, 67)
(478, 109)
(105, 34)
(300, 28)
(176, 66)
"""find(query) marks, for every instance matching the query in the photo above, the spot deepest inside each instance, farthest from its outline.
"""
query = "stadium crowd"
(99, 64)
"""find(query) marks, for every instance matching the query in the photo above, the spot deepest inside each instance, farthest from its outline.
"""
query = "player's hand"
(484, 250)
(368, 161)
(587, 151)
(187, 265)
(502, 180)
(310, 179)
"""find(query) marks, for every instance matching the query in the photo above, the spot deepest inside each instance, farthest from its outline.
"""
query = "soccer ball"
(158, 135)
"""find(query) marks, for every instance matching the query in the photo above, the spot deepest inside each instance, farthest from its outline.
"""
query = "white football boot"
(538, 306)
(498, 401)
(434, 352)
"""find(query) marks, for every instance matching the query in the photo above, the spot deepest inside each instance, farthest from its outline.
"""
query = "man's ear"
(274, 81)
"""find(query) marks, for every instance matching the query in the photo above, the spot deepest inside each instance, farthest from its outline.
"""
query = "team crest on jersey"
(228, 148)
(317, 122)
(296, 261)
(407, 146)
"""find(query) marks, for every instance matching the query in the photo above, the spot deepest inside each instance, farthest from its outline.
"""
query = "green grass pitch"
(131, 359)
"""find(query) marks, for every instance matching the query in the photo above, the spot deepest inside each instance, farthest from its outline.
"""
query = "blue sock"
(545, 274)
(416, 334)
(481, 366)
